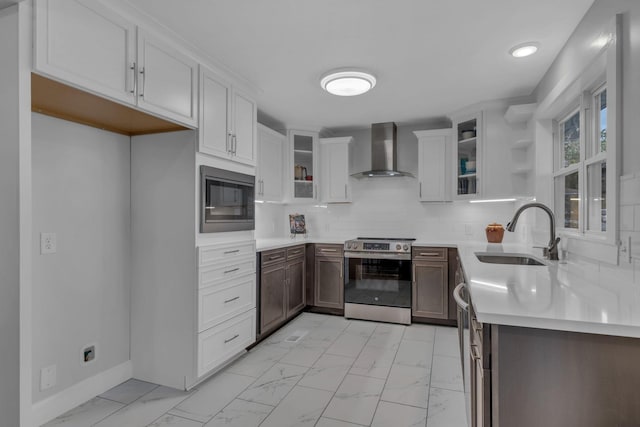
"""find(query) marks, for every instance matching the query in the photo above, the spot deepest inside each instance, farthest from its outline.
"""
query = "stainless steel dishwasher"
(460, 294)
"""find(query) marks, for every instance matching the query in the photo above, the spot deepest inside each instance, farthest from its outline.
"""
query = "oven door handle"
(368, 255)
(459, 300)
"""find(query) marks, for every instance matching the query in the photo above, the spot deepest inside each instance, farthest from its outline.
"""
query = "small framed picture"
(297, 224)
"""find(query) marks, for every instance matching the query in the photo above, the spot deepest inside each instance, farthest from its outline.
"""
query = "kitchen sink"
(508, 258)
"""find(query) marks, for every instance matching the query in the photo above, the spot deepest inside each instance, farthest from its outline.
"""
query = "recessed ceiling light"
(348, 82)
(524, 49)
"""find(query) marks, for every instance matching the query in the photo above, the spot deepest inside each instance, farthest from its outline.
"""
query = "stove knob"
(405, 247)
(398, 247)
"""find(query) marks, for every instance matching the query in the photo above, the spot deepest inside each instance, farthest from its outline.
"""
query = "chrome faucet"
(550, 252)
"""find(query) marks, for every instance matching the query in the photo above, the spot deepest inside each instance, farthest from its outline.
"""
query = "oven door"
(227, 200)
(378, 279)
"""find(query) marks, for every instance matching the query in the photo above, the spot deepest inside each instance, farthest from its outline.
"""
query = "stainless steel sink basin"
(508, 258)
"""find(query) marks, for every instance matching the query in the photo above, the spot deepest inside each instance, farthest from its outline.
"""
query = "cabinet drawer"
(295, 252)
(219, 303)
(273, 257)
(329, 250)
(212, 275)
(431, 254)
(221, 342)
(214, 253)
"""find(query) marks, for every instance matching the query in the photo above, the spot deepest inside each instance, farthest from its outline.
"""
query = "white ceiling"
(431, 57)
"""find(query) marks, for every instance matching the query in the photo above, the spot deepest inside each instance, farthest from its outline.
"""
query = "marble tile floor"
(341, 373)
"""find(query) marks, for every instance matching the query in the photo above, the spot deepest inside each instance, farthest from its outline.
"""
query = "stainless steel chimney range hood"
(384, 152)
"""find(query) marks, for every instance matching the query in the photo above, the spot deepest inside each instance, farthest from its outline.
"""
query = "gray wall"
(81, 191)
(9, 222)
(578, 52)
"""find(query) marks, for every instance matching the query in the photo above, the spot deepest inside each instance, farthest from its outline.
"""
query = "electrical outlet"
(468, 229)
(48, 243)
(89, 353)
(47, 377)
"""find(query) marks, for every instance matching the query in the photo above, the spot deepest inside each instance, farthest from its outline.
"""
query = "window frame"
(590, 154)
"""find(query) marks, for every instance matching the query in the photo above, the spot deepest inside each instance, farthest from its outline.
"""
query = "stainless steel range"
(378, 279)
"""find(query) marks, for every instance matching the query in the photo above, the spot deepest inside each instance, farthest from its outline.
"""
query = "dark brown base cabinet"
(282, 286)
(430, 285)
(529, 377)
(329, 276)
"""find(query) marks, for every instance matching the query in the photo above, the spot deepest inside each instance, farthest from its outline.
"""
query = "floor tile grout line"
(125, 404)
(108, 415)
(433, 349)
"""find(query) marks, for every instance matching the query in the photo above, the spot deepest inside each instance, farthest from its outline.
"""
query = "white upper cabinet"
(227, 120)
(432, 164)
(334, 161)
(215, 101)
(303, 166)
(467, 146)
(269, 174)
(85, 44)
(167, 80)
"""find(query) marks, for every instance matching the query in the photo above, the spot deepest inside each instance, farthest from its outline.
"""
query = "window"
(580, 177)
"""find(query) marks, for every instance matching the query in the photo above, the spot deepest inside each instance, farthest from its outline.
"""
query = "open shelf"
(468, 140)
(468, 175)
(303, 151)
(304, 180)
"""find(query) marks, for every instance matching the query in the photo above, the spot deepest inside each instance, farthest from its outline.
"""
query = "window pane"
(602, 119)
(597, 196)
(570, 133)
(567, 200)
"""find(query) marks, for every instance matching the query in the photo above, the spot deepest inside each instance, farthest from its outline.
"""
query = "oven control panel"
(389, 246)
(368, 246)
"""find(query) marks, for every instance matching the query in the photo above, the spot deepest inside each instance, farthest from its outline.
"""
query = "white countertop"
(559, 296)
(277, 243)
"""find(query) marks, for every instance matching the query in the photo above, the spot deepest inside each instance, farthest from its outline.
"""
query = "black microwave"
(227, 200)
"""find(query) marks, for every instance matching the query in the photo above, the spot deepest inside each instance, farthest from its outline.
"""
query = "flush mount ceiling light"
(524, 49)
(347, 82)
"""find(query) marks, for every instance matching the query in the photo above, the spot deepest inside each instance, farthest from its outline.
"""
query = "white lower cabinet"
(216, 345)
(219, 303)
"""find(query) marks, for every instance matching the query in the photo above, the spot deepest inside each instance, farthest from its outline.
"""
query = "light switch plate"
(48, 243)
(47, 377)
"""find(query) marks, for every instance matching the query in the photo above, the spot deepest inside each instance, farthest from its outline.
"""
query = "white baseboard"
(56, 405)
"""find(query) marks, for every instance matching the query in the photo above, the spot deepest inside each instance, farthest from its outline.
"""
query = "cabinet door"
(167, 80)
(214, 132)
(467, 156)
(296, 297)
(272, 297)
(270, 158)
(329, 283)
(432, 160)
(334, 161)
(86, 45)
(303, 162)
(244, 129)
(430, 290)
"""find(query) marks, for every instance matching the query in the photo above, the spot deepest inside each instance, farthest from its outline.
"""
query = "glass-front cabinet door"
(303, 165)
(467, 146)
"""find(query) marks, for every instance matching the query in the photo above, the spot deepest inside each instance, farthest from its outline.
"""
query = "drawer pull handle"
(329, 250)
(230, 300)
(232, 252)
(296, 252)
(271, 258)
(429, 254)
(232, 270)
(232, 338)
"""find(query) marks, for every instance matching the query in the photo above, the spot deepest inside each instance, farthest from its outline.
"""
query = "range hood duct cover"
(384, 152)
